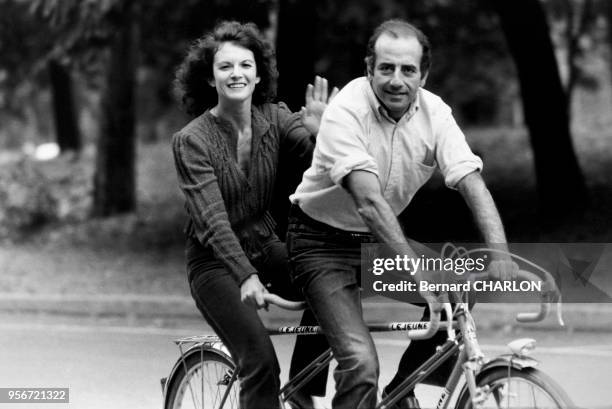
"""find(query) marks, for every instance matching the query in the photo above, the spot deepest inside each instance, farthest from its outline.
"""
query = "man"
(380, 140)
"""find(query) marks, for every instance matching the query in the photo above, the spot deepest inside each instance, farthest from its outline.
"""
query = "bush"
(34, 193)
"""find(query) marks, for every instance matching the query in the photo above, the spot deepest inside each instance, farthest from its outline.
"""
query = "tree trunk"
(114, 179)
(295, 50)
(66, 129)
(561, 186)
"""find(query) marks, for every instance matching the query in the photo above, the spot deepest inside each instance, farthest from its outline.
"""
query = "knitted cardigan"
(228, 210)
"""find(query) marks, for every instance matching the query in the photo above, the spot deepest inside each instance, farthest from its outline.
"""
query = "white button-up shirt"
(356, 133)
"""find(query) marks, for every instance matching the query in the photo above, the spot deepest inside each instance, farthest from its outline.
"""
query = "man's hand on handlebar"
(503, 269)
(252, 292)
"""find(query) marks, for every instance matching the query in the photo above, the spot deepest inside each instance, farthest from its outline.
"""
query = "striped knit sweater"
(228, 210)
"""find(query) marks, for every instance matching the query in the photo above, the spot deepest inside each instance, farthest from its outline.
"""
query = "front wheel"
(202, 381)
(517, 389)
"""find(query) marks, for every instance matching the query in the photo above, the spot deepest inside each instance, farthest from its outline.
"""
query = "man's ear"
(368, 63)
(424, 79)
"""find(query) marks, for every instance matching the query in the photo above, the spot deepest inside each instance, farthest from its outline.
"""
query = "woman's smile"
(234, 73)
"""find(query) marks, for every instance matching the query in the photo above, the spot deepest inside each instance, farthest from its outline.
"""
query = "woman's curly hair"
(196, 70)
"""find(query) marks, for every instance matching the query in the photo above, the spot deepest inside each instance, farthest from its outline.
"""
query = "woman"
(226, 160)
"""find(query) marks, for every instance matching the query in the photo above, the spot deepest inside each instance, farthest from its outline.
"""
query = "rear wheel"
(202, 381)
(517, 389)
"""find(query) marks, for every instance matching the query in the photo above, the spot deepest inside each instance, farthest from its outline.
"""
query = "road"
(116, 365)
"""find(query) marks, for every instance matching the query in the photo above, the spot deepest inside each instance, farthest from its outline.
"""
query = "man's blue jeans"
(217, 296)
(326, 265)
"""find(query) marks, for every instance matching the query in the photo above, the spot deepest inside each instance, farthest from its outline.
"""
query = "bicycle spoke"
(205, 385)
(518, 394)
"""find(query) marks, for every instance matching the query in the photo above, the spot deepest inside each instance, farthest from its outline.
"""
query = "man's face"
(396, 75)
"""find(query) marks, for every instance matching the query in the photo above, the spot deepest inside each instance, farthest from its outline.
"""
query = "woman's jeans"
(217, 296)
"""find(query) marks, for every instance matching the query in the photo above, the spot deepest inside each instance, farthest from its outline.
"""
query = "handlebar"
(549, 292)
(285, 304)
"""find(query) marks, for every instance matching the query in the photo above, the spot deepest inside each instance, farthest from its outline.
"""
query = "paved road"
(113, 365)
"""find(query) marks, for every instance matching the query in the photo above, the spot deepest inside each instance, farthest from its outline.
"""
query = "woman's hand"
(252, 291)
(317, 98)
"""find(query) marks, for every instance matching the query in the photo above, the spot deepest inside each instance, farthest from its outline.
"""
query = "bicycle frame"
(198, 344)
(465, 344)
(470, 363)
(317, 365)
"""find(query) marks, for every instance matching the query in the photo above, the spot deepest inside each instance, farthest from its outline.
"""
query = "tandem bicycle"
(206, 377)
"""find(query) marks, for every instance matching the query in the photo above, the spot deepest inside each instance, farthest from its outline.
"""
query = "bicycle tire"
(523, 386)
(201, 381)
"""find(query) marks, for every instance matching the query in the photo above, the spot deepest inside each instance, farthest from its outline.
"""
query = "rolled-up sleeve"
(454, 156)
(342, 144)
(198, 183)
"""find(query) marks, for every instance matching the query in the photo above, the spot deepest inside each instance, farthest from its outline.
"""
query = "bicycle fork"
(474, 362)
(474, 359)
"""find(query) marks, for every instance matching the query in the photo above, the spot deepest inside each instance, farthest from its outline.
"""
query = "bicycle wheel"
(202, 381)
(523, 389)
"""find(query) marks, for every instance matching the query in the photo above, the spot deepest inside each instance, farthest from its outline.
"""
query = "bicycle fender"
(214, 347)
(501, 361)
(511, 360)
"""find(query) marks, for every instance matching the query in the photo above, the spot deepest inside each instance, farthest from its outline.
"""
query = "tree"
(27, 67)
(66, 128)
(99, 37)
(115, 177)
(295, 49)
(576, 19)
(561, 185)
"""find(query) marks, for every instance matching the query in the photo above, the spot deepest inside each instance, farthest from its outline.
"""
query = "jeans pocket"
(302, 238)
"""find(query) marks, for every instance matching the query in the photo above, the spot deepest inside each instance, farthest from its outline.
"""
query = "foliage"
(22, 40)
(471, 64)
(26, 199)
(34, 193)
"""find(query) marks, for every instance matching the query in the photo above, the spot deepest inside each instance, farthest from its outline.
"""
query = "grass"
(143, 252)
(133, 253)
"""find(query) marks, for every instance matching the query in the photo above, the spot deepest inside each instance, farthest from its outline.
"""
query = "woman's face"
(234, 73)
